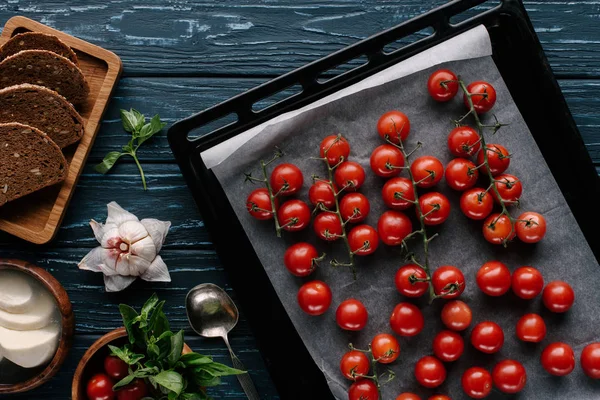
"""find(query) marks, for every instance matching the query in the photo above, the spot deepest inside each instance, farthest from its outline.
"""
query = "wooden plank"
(265, 37)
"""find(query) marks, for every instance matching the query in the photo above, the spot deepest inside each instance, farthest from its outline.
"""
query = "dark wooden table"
(183, 56)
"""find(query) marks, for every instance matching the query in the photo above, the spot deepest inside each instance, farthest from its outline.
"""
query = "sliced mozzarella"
(38, 315)
(29, 349)
(15, 292)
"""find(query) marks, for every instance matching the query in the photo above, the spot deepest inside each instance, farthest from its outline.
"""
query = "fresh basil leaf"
(109, 161)
(170, 380)
(195, 359)
(129, 120)
(125, 354)
(153, 351)
(194, 396)
(124, 382)
(140, 119)
(159, 324)
(206, 380)
(157, 124)
(149, 305)
(150, 129)
(176, 348)
(129, 315)
(218, 369)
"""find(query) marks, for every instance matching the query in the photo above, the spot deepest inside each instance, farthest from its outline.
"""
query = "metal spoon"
(212, 313)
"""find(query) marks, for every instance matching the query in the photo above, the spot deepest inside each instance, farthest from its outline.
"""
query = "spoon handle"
(244, 379)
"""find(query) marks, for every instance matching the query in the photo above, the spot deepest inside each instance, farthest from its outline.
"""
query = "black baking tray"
(521, 61)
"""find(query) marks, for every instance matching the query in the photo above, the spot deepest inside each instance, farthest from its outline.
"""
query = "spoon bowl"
(210, 310)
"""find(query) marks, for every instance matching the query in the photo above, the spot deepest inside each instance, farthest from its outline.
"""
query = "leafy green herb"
(135, 123)
(154, 351)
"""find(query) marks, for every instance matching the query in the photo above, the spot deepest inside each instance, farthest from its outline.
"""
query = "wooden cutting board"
(36, 217)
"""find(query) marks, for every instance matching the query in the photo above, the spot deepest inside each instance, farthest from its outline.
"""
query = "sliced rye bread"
(29, 161)
(45, 68)
(37, 41)
(44, 109)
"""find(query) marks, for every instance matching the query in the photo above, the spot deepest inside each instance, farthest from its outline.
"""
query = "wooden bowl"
(67, 324)
(92, 361)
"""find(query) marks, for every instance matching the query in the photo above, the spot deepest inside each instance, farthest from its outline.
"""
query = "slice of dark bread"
(37, 41)
(44, 109)
(29, 161)
(45, 68)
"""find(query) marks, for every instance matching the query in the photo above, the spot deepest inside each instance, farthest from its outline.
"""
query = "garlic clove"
(144, 248)
(132, 231)
(158, 271)
(116, 283)
(129, 264)
(157, 230)
(117, 215)
(93, 259)
(111, 238)
(98, 229)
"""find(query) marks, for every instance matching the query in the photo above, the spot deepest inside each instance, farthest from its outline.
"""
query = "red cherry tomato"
(527, 282)
(497, 229)
(351, 315)
(349, 176)
(393, 227)
(407, 320)
(314, 297)
(461, 174)
(457, 315)
(385, 348)
(354, 207)
(498, 158)
(337, 148)
(435, 206)
(398, 193)
(286, 179)
(463, 141)
(509, 376)
(301, 259)
(448, 346)
(439, 397)
(387, 161)
(476, 382)
(487, 337)
(320, 193)
(293, 215)
(590, 360)
(355, 364)
(476, 203)
(558, 296)
(100, 388)
(364, 389)
(115, 368)
(558, 359)
(407, 396)
(327, 226)
(258, 204)
(427, 171)
(406, 283)
(134, 391)
(509, 187)
(393, 125)
(493, 278)
(442, 85)
(430, 372)
(530, 227)
(531, 328)
(363, 239)
(483, 96)
(448, 282)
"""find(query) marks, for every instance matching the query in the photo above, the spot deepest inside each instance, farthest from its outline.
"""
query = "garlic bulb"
(128, 249)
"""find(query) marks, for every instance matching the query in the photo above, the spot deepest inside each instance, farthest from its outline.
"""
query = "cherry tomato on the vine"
(531, 328)
(116, 368)
(457, 315)
(558, 296)
(349, 176)
(99, 387)
(498, 229)
(327, 226)
(386, 161)
(527, 282)
(493, 278)
(530, 227)
(398, 193)
(294, 215)
(448, 282)
(301, 259)
(436, 208)
(406, 283)
(463, 141)
(320, 193)
(314, 297)
(476, 203)
(509, 376)
(394, 125)
(258, 204)
(430, 372)
(354, 207)
(461, 174)
(483, 96)
(286, 179)
(351, 315)
(509, 187)
(355, 364)
(477, 382)
(442, 85)
(558, 359)
(487, 337)
(407, 320)
(363, 240)
(385, 348)
(408, 396)
(448, 346)
(337, 148)
(393, 227)
(427, 171)
(364, 389)
(590, 360)
(498, 158)
(136, 390)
